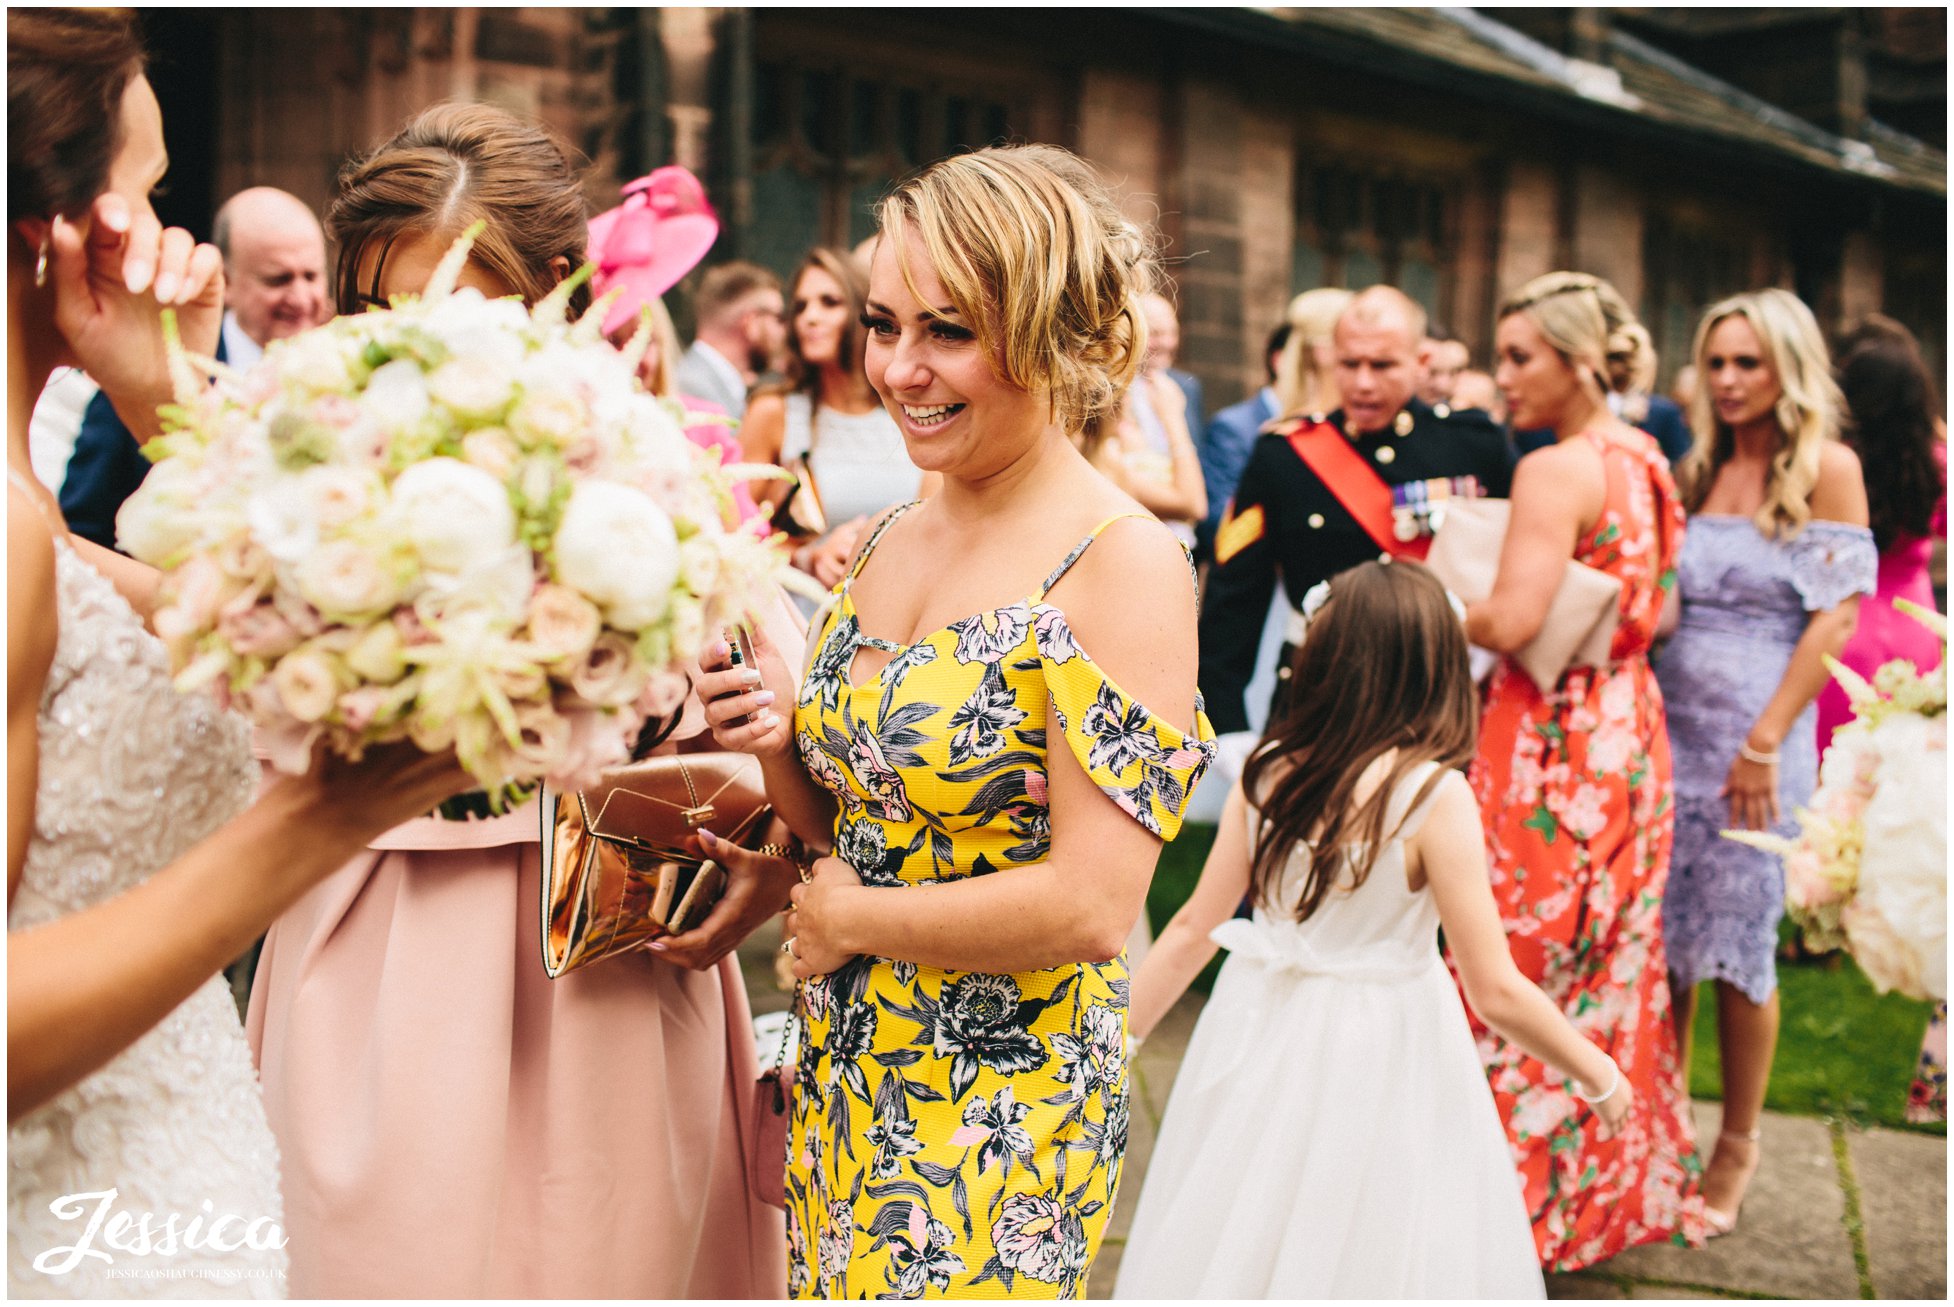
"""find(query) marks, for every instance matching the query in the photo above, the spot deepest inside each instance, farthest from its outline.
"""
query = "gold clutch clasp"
(699, 816)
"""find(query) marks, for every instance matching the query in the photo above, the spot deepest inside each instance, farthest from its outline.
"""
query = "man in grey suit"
(742, 333)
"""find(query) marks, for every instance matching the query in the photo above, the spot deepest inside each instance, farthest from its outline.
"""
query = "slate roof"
(1641, 90)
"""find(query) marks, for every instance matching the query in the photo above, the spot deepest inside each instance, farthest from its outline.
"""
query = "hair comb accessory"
(660, 232)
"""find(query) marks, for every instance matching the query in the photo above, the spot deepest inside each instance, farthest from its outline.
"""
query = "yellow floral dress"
(958, 1133)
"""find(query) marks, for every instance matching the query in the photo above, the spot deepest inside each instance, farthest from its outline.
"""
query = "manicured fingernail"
(136, 277)
(719, 650)
(765, 720)
(116, 218)
(763, 697)
(166, 286)
(750, 677)
(707, 838)
(655, 947)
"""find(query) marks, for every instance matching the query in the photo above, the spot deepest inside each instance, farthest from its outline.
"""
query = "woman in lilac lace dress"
(1775, 559)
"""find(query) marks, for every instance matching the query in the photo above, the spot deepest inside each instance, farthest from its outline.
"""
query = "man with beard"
(1324, 492)
(742, 334)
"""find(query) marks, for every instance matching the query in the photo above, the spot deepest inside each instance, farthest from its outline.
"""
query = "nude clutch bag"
(1581, 619)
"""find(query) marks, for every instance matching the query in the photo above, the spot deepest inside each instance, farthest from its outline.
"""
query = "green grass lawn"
(1842, 1049)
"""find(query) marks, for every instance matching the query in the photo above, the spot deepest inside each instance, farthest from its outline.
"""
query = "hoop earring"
(40, 262)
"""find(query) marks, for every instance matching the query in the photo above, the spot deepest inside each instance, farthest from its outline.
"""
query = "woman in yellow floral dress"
(960, 1108)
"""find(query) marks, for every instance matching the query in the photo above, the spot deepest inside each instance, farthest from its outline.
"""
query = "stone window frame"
(1350, 209)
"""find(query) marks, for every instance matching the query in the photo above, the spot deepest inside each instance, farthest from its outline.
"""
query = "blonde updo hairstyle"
(1807, 411)
(1299, 386)
(1587, 322)
(1042, 266)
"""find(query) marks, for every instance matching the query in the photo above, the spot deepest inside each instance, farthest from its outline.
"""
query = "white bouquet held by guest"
(455, 521)
(1867, 870)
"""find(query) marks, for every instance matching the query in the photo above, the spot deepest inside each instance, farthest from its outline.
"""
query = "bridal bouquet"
(454, 521)
(1867, 870)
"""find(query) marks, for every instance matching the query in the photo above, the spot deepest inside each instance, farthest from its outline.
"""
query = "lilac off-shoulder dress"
(1746, 600)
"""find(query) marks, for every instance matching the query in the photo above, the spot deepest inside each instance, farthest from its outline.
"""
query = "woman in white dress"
(1331, 1134)
(826, 422)
(137, 865)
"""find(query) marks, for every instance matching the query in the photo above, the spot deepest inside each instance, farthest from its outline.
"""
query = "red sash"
(1364, 494)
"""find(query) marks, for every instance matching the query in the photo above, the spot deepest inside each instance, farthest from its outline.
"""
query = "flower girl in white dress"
(1331, 1133)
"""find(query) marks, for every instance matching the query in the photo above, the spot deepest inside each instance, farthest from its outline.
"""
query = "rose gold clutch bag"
(621, 859)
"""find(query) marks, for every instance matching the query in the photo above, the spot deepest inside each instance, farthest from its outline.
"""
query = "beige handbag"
(1580, 627)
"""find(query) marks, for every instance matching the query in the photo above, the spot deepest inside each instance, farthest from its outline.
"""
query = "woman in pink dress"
(452, 1122)
(1890, 399)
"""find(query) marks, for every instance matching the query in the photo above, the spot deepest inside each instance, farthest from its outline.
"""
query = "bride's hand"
(111, 287)
(391, 784)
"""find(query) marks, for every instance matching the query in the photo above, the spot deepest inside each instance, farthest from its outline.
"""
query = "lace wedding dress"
(131, 775)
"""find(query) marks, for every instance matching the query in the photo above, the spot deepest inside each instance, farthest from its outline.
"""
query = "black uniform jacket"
(1283, 519)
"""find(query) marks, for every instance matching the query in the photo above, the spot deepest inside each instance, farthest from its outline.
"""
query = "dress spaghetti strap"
(875, 538)
(1059, 572)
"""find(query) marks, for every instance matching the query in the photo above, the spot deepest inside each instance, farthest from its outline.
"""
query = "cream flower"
(619, 549)
(308, 684)
(610, 675)
(456, 516)
(347, 582)
(473, 388)
(562, 623)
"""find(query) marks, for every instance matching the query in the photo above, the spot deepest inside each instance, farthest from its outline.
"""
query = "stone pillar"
(1861, 278)
(1211, 281)
(1608, 224)
(1268, 215)
(688, 38)
(1529, 225)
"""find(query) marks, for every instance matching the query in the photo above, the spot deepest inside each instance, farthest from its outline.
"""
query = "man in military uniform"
(1386, 452)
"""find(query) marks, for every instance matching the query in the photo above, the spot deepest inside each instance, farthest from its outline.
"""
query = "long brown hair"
(853, 280)
(66, 72)
(1383, 667)
(454, 164)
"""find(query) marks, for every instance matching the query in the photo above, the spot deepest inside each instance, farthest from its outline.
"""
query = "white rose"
(489, 332)
(316, 361)
(492, 450)
(307, 684)
(347, 581)
(1903, 864)
(160, 518)
(396, 395)
(699, 565)
(456, 516)
(339, 494)
(474, 388)
(548, 415)
(284, 519)
(618, 549)
(688, 628)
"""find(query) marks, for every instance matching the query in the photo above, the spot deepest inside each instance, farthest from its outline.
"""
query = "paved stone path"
(1833, 1213)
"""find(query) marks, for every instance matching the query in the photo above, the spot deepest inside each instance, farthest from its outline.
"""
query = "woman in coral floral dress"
(1573, 784)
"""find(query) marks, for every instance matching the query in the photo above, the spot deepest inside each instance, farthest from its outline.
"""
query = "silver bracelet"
(1609, 1093)
(1749, 754)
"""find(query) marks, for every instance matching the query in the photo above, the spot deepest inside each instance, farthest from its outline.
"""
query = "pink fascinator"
(660, 232)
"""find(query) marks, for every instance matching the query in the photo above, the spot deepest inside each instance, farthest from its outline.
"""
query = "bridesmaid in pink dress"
(1904, 454)
(452, 1122)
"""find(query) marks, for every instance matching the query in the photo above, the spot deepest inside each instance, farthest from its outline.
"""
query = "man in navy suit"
(1230, 438)
(274, 286)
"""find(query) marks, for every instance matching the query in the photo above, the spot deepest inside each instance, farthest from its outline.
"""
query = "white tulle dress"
(1331, 1133)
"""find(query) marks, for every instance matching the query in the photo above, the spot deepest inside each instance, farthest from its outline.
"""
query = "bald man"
(274, 287)
(1324, 492)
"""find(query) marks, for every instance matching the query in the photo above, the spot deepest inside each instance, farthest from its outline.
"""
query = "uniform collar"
(1417, 410)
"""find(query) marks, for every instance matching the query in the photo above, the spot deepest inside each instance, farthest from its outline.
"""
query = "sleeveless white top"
(132, 774)
(859, 461)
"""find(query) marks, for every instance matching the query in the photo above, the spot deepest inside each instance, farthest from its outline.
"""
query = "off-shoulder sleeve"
(1831, 562)
(1146, 765)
